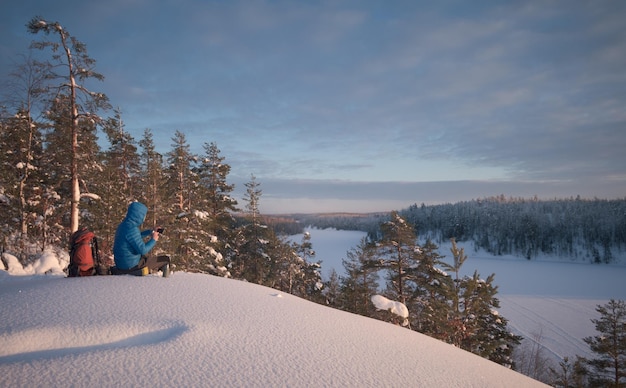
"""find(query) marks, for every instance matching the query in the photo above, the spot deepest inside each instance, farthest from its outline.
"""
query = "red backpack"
(83, 253)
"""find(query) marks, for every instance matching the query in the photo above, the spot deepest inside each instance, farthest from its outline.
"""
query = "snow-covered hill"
(193, 330)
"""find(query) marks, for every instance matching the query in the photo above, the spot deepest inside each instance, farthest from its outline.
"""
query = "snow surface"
(199, 330)
(194, 330)
(392, 306)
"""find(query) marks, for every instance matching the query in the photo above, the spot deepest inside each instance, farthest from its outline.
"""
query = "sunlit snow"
(194, 330)
(394, 307)
(200, 330)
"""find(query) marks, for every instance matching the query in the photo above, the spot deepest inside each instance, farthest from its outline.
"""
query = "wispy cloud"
(292, 196)
(360, 91)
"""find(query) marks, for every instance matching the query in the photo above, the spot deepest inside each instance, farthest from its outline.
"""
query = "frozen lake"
(330, 246)
(553, 301)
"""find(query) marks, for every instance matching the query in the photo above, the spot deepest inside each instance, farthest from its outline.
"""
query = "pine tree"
(260, 255)
(21, 150)
(459, 257)
(332, 289)
(569, 375)
(281, 256)
(214, 197)
(57, 178)
(414, 278)
(181, 183)
(397, 246)
(473, 322)
(313, 283)
(213, 174)
(21, 154)
(123, 155)
(253, 261)
(609, 368)
(361, 281)
(430, 302)
(82, 105)
(152, 179)
(118, 183)
(309, 280)
(486, 330)
(455, 327)
(287, 269)
(305, 248)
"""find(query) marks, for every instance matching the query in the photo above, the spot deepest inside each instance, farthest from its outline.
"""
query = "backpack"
(84, 255)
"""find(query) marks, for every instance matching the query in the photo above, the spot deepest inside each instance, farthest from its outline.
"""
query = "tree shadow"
(143, 339)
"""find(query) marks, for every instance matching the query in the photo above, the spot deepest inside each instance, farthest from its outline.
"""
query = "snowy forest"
(574, 229)
(64, 164)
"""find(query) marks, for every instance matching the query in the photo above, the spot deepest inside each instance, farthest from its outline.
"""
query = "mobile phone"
(160, 230)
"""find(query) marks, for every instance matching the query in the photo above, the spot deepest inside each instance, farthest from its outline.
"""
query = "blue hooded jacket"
(129, 245)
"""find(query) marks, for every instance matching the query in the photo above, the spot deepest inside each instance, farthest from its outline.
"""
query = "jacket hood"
(136, 213)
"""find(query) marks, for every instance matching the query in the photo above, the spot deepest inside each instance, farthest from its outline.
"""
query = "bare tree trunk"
(22, 189)
(74, 171)
(74, 215)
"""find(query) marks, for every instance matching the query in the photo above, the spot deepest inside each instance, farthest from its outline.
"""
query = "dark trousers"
(154, 263)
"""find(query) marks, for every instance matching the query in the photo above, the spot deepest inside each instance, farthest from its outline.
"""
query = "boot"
(166, 270)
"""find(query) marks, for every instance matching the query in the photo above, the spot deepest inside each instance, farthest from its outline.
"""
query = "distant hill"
(573, 229)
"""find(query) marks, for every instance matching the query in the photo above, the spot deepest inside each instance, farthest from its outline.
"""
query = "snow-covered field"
(193, 330)
(200, 330)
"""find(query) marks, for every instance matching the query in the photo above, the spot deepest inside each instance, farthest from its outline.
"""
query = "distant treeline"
(575, 228)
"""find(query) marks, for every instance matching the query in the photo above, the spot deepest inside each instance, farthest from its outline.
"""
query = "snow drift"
(197, 330)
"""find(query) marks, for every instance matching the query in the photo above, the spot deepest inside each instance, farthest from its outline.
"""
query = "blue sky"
(366, 105)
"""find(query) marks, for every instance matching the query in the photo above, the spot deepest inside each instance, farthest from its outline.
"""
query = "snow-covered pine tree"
(260, 255)
(84, 165)
(487, 333)
(252, 261)
(151, 181)
(361, 280)
(413, 275)
(396, 248)
(214, 198)
(291, 266)
(332, 289)
(180, 189)
(608, 369)
(20, 156)
(123, 155)
(309, 283)
(429, 305)
(313, 284)
(118, 183)
(455, 329)
(286, 266)
(305, 248)
(473, 322)
(81, 105)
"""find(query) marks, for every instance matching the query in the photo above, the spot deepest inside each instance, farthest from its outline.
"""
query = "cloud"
(302, 195)
(359, 91)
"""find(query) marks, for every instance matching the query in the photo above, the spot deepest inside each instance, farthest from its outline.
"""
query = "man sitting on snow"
(130, 249)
